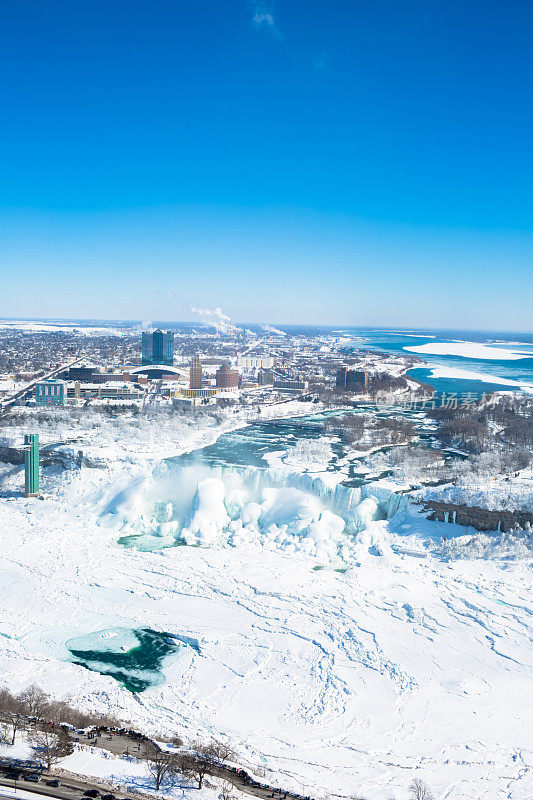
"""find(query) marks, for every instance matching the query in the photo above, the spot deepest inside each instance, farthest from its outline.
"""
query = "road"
(71, 789)
(120, 745)
(8, 401)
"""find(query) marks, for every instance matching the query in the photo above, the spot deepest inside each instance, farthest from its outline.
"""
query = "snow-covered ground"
(35, 326)
(112, 772)
(335, 678)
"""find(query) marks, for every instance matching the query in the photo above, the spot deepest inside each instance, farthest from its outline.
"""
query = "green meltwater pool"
(133, 657)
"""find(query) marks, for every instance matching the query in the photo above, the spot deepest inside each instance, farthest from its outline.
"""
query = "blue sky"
(328, 162)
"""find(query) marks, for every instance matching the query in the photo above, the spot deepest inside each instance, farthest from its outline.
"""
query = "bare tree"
(51, 746)
(34, 702)
(5, 732)
(10, 706)
(7, 701)
(420, 790)
(227, 791)
(58, 712)
(221, 751)
(16, 724)
(197, 764)
(160, 764)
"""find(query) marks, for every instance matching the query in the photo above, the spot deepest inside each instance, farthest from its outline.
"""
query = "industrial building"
(158, 347)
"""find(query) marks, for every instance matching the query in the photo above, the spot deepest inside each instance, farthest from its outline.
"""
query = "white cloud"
(261, 17)
(170, 294)
(264, 18)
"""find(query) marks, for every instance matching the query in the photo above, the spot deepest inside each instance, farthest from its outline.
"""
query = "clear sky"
(344, 162)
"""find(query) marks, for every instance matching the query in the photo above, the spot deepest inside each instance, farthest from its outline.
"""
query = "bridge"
(8, 401)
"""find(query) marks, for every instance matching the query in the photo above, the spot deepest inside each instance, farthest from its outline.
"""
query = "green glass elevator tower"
(31, 464)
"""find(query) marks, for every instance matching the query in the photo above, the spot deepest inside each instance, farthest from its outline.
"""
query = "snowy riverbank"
(335, 679)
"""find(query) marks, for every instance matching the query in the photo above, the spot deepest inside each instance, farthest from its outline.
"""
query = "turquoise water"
(520, 369)
(133, 657)
(237, 458)
(392, 340)
(248, 446)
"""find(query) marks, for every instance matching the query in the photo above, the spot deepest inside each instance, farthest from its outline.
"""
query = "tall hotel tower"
(158, 348)
(195, 374)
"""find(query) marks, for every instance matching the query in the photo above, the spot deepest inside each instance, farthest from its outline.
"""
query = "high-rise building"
(340, 380)
(351, 379)
(158, 347)
(227, 378)
(195, 374)
(360, 379)
(31, 464)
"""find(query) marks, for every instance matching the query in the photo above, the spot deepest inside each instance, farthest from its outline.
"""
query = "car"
(91, 793)
(12, 775)
(108, 797)
(53, 782)
(32, 777)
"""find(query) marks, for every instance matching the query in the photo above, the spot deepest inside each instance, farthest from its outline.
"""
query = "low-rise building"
(206, 391)
(112, 391)
(265, 377)
(256, 362)
(289, 383)
(50, 393)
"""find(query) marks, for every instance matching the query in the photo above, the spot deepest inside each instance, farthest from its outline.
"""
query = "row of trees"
(197, 761)
(33, 702)
(507, 422)
(51, 741)
(378, 430)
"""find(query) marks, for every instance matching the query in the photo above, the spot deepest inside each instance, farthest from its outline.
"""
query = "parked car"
(53, 782)
(108, 797)
(32, 777)
(91, 793)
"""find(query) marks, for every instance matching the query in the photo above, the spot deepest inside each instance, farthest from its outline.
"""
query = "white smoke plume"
(215, 318)
(271, 329)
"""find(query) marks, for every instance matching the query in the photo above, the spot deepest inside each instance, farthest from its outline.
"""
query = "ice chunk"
(208, 516)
